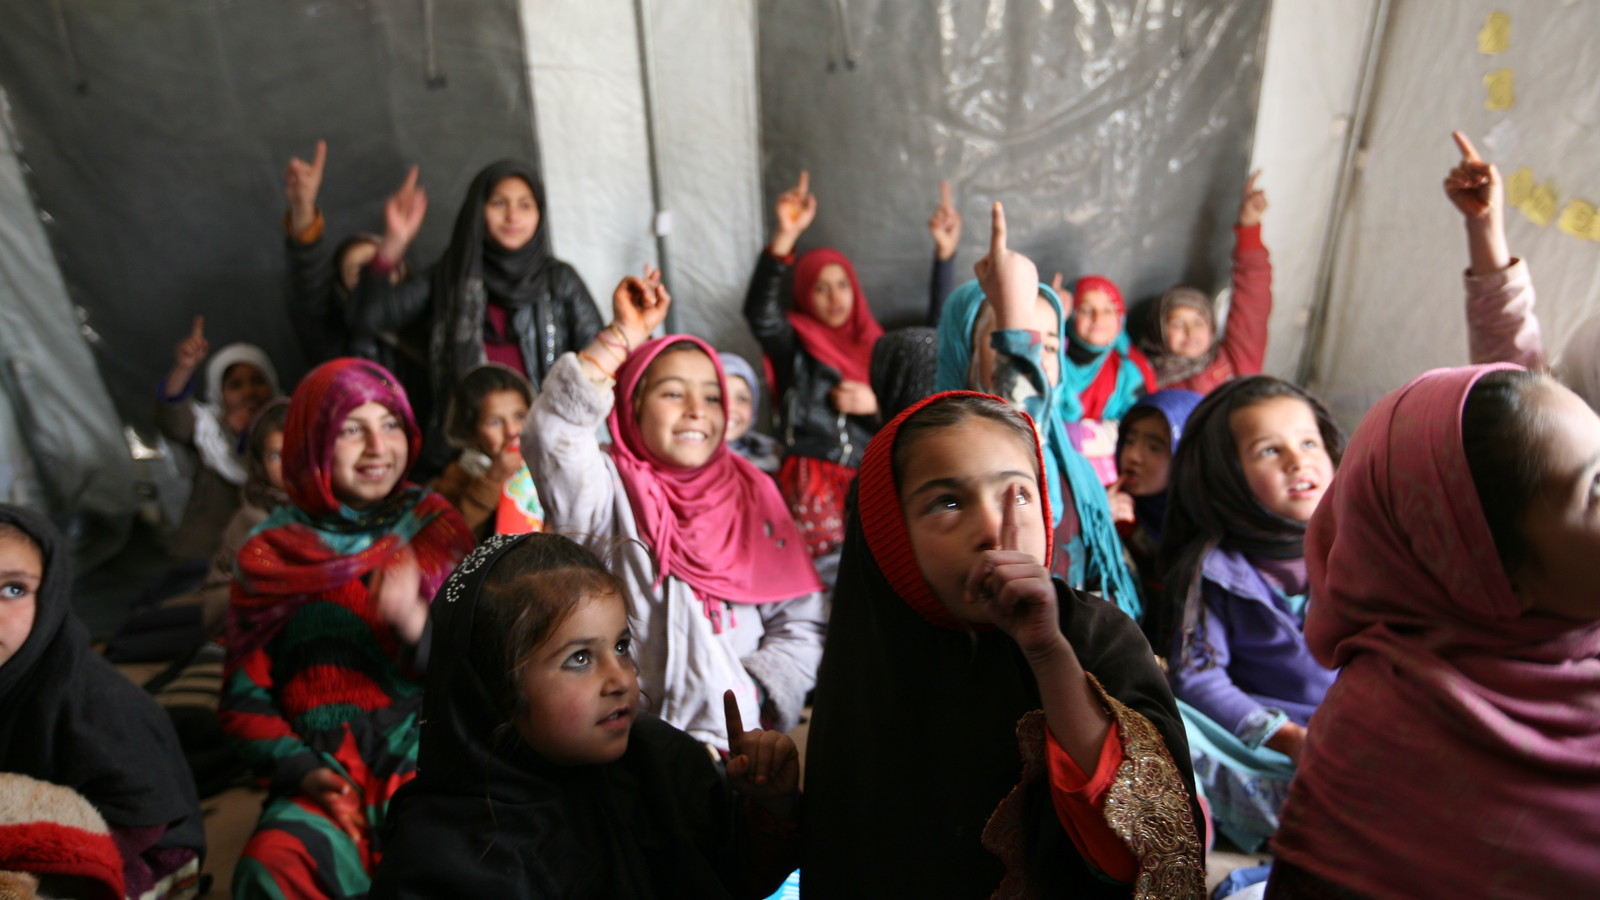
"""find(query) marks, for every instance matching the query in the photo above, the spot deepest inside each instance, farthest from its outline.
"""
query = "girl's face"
(1283, 456)
(501, 415)
(21, 572)
(511, 214)
(579, 688)
(272, 459)
(1096, 319)
(245, 389)
(1044, 322)
(740, 408)
(369, 455)
(1146, 456)
(1189, 333)
(680, 411)
(832, 296)
(952, 499)
(1561, 524)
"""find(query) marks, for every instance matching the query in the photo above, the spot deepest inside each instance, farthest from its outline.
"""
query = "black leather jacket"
(809, 425)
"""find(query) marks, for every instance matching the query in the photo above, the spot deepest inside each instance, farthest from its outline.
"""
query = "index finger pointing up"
(944, 194)
(198, 329)
(730, 709)
(321, 155)
(997, 231)
(1008, 520)
(804, 184)
(1469, 153)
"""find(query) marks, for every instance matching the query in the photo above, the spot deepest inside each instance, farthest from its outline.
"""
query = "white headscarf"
(219, 451)
(1578, 367)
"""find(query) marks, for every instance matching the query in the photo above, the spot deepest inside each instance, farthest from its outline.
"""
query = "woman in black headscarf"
(497, 294)
(68, 717)
(522, 793)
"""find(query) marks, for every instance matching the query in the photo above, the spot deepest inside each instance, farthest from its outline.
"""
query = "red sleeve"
(1245, 344)
(1080, 802)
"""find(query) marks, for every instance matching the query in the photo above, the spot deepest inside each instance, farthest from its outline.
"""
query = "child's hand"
(762, 765)
(1290, 740)
(1121, 502)
(1020, 594)
(1010, 280)
(301, 182)
(639, 305)
(331, 792)
(1058, 284)
(398, 589)
(945, 224)
(192, 350)
(1254, 202)
(796, 209)
(507, 462)
(402, 217)
(854, 398)
(1474, 186)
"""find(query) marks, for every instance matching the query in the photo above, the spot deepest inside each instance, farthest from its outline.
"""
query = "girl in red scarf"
(820, 351)
(722, 593)
(329, 603)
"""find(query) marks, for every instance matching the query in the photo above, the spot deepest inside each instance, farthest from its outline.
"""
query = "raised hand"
(1017, 588)
(192, 350)
(639, 305)
(854, 398)
(330, 791)
(301, 182)
(398, 589)
(945, 224)
(1474, 186)
(1253, 203)
(762, 765)
(796, 209)
(1010, 280)
(402, 218)
(1059, 285)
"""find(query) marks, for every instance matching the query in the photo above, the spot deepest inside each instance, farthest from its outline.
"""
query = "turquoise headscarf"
(1067, 473)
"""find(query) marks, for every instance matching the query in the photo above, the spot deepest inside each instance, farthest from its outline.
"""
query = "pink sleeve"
(1501, 324)
(1080, 802)
(1245, 343)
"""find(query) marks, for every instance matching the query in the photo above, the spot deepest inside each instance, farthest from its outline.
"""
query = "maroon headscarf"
(846, 348)
(1458, 754)
(721, 526)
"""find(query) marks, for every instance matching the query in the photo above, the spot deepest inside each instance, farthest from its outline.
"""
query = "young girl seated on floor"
(489, 483)
(721, 589)
(1256, 456)
(239, 381)
(541, 777)
(69, 718)
(950, 633)
(1145, 443)
(764, 451)
(330, 602)
(1453, 566)
(1184, 348)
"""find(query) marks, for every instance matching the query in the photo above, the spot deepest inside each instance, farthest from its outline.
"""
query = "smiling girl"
(541, 777)
(722, 592)
(1255, 459)
(329, 605)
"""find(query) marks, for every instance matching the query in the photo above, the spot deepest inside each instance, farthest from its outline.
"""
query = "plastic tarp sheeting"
(1116, 133)
(158, 132)
(1397, 303)
(61, 448)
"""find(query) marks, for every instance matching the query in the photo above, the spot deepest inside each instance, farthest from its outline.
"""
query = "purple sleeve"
(1202, 681)
(1501, 324)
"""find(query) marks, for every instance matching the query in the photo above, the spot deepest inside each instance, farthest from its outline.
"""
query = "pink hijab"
(846, 348)
(721, 527)
(1458, 754)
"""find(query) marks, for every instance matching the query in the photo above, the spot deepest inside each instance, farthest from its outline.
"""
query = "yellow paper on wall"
(1540, 207)
(1502, 90)
(1577, 219)
(1496, 34)
(1519, 187)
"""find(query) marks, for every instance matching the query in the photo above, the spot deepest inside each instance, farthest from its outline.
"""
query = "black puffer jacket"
(809, 425)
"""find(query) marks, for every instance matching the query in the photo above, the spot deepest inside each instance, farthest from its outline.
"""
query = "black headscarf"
(488, 817)
(904, 363)
(913, 740)
(68, 717)
(1211, 505)
(476, 271)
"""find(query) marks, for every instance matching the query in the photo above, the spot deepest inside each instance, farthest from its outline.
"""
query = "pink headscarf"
(1458, 754)
(846, 348)
(722, 527)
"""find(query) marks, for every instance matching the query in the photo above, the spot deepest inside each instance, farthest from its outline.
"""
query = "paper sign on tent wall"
(1502, 90)
(1496, 34)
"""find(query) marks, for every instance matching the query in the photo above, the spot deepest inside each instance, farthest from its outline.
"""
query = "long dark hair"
(1498, 427)
(1211, 505)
